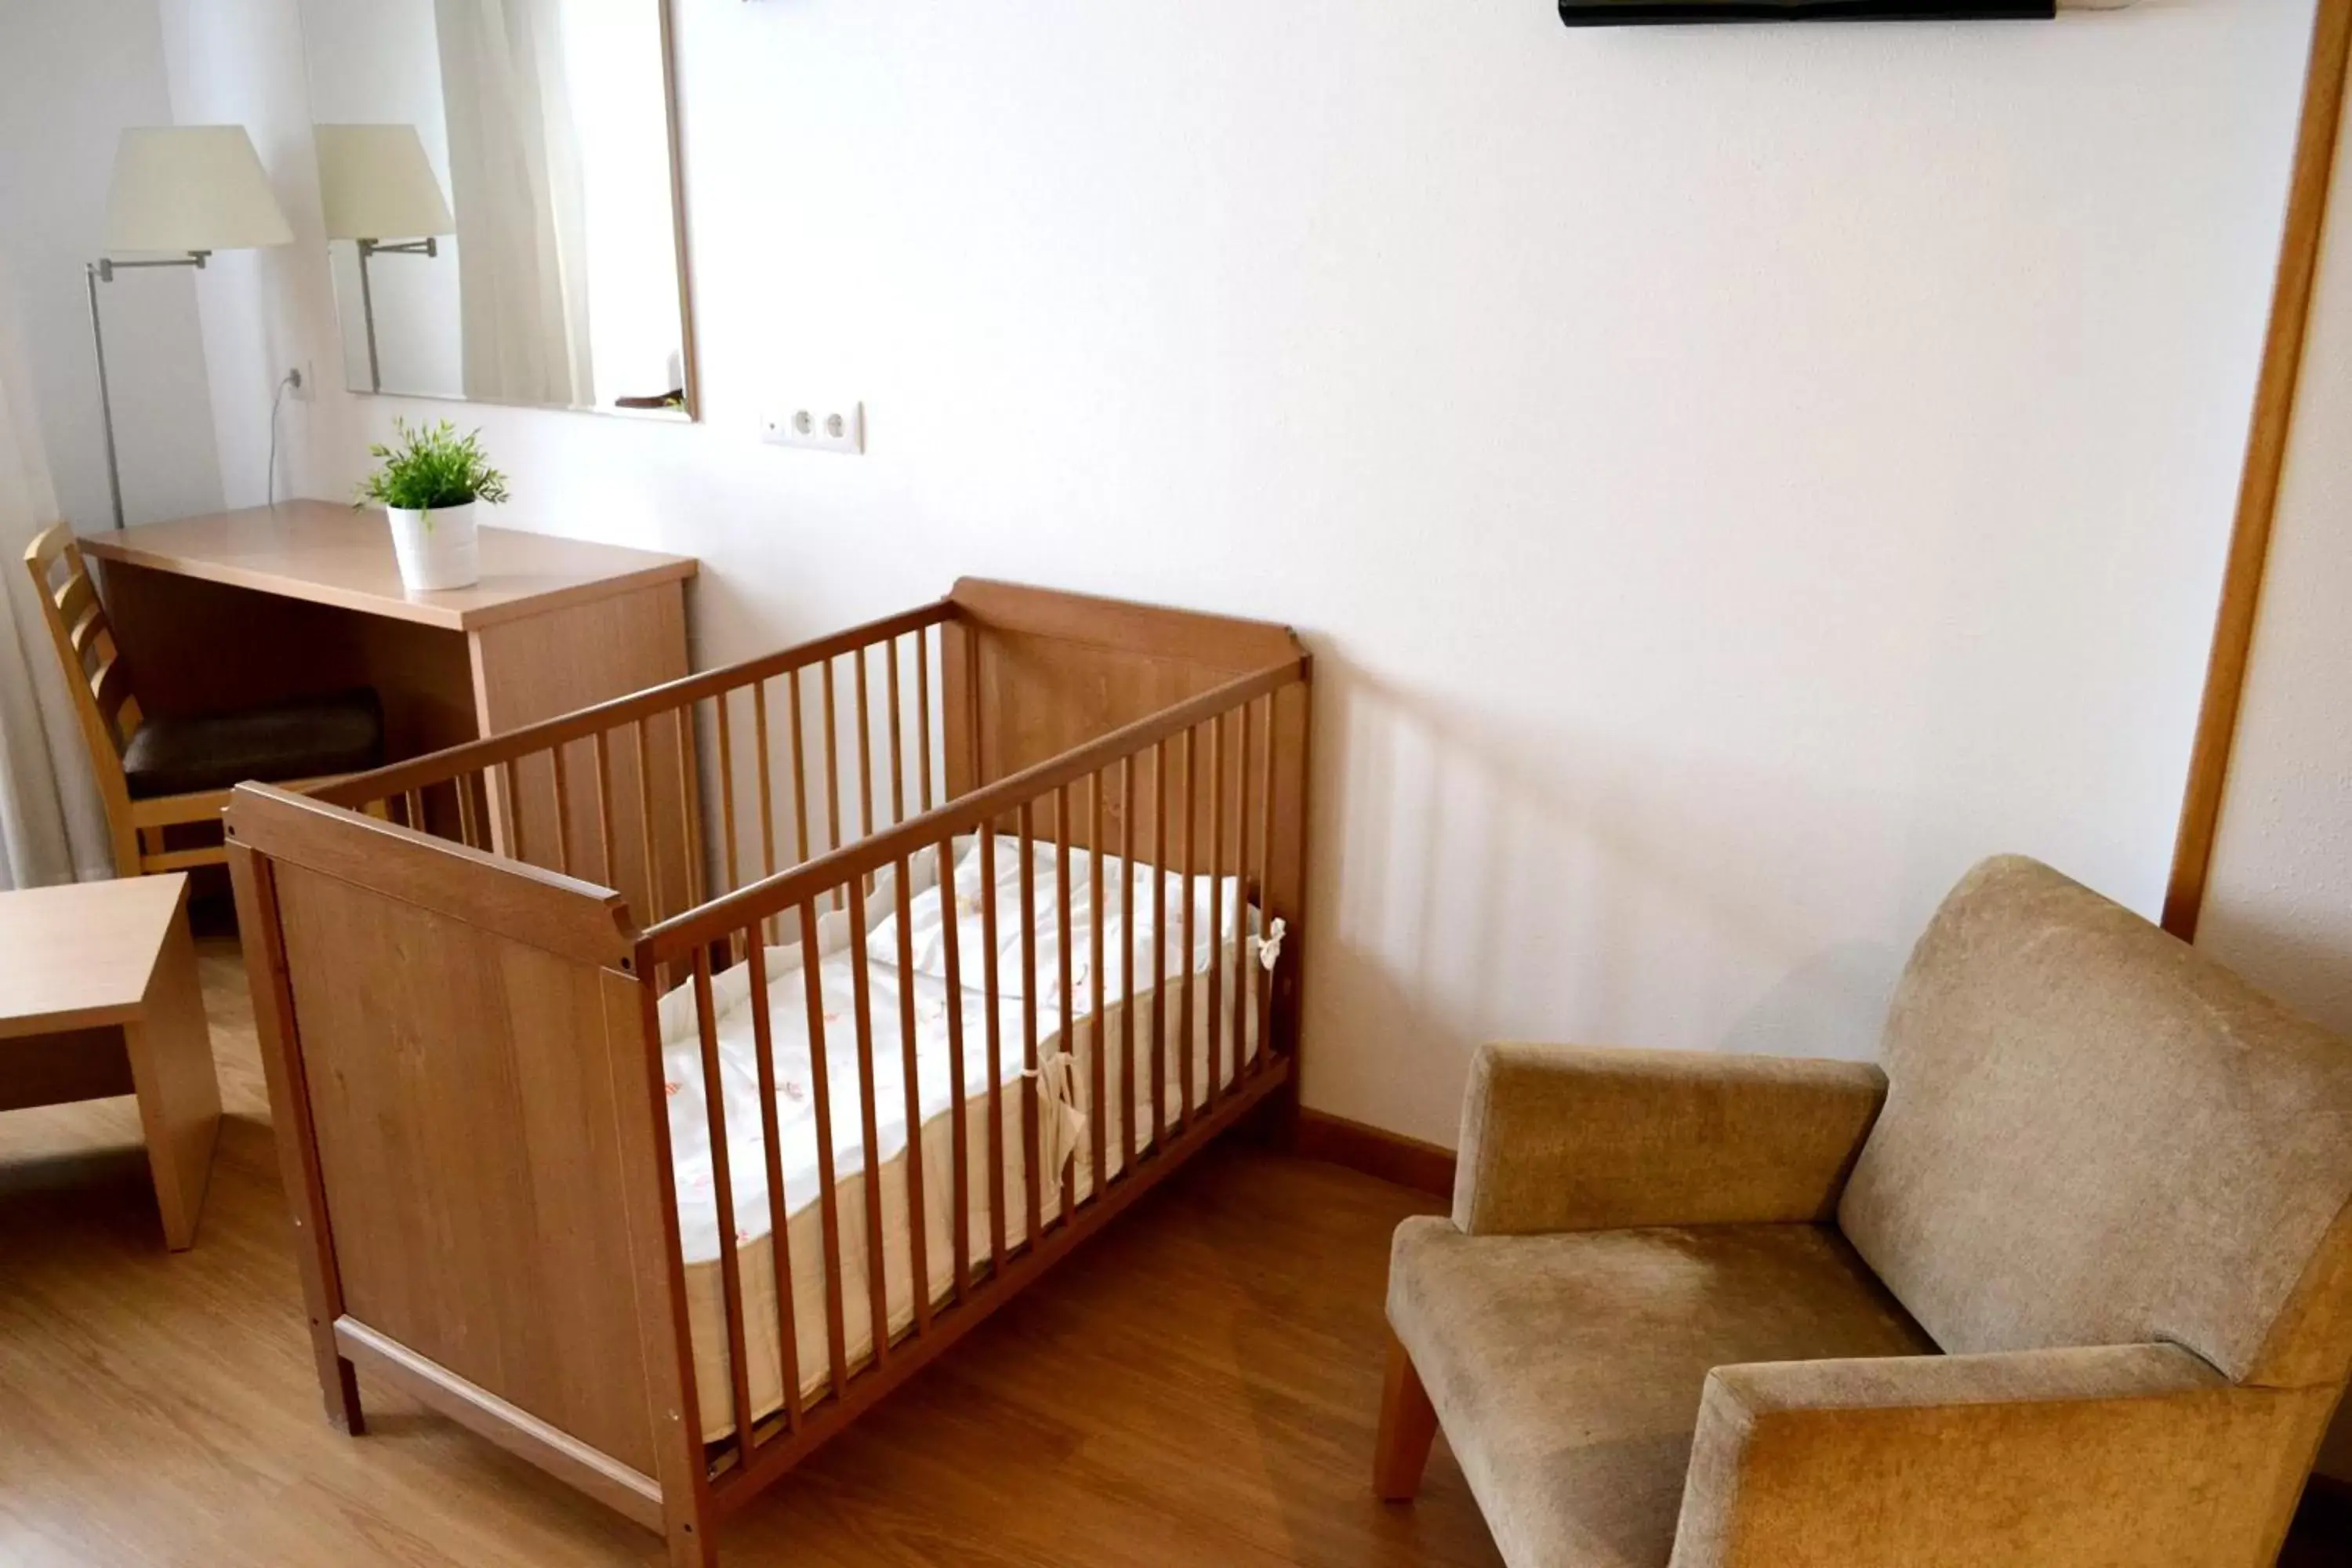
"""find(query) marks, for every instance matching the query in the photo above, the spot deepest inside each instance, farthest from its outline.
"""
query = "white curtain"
(52, 827)
(514, 180)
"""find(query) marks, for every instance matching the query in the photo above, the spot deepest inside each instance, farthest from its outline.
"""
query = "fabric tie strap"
(1269, 946)
(1062, 1126)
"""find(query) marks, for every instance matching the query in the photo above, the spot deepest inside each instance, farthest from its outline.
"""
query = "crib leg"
(339, 1381)
(692, 1543)
(256, 886)
(1408, 1423)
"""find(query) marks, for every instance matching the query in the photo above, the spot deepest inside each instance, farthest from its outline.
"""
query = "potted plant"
(427, 481)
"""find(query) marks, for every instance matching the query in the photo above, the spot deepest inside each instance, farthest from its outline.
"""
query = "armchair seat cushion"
(1567, 1369)
(309, 737)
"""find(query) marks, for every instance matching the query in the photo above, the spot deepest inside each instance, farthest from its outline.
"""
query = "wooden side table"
(98, 997)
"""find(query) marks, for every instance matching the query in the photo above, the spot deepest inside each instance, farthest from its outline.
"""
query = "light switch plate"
(820, 426)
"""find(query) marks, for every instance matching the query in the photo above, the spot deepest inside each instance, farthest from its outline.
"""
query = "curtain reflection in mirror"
(514, 167)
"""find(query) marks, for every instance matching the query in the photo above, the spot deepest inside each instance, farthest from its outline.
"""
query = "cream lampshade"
(191, 188)
(376, 184)
(374, 181)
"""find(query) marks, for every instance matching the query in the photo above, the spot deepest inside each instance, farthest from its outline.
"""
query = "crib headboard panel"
(1031, 673)
(460, 1083)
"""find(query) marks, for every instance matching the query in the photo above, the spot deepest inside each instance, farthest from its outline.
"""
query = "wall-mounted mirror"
(499, 181)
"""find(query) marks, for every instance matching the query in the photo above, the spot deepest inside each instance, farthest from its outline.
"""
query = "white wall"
(2278, 901)
(73, 73)
(2278, 906)
(1732, 477)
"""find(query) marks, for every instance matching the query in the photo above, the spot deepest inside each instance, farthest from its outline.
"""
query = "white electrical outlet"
(819, 426)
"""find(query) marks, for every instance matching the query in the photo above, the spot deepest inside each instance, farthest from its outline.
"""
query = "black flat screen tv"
(1639, 12)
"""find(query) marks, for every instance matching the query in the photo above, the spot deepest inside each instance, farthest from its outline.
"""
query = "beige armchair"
(2069, 1283)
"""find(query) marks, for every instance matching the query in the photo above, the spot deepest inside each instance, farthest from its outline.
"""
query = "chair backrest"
(96, 675)
(2095, 1135)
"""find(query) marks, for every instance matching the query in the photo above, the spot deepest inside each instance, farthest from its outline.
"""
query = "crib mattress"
(1064, 1083)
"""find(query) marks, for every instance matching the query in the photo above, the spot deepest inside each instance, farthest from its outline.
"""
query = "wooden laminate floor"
(1198, 1386)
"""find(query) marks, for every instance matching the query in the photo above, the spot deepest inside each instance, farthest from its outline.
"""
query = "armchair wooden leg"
(1408, 1423)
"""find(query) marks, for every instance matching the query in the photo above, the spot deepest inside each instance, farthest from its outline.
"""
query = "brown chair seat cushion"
(1567, 1369)
(301, 739)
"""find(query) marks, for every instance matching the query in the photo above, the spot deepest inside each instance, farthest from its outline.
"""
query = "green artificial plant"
(431, 467)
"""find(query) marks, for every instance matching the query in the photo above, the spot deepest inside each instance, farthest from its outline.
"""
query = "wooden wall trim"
(2258, 488)
(1390, 1156)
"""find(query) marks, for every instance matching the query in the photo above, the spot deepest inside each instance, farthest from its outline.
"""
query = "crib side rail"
(747, 907)
(1192, 805)
(688, 791)
(467, 1112)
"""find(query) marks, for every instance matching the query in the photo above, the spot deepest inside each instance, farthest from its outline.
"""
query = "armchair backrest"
(2095, 1135)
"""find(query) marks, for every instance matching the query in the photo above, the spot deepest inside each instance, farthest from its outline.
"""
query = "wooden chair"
(155, 775)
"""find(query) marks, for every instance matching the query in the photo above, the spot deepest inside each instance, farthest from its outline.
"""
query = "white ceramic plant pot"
(437, 549)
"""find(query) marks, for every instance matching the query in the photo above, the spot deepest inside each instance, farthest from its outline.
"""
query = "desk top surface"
(80, 955)
(332, 554)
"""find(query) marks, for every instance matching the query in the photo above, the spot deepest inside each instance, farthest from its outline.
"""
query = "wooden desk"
(241, 607)
(98, 997)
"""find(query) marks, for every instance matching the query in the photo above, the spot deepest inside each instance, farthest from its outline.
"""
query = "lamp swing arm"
(369, 248)
(102, 270)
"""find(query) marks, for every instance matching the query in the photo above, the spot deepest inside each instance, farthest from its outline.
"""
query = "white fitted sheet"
(1065, 1086)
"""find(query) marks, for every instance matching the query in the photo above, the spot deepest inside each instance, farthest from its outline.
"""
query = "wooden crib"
(495, 986)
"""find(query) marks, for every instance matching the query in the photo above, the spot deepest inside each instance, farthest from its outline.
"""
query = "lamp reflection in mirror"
(380, 192)
(183, 189)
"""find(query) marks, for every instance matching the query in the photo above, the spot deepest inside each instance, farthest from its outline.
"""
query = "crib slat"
(1097, 1111)
(1240, 899)
(995, 1036)
(413, 803)
(876, 1275)
(961, 1137)
(1127, 961)
(731, 1273)
(802, 850)
(689, 801)
(1184, 982)
(1216, 908)
(1262, 981)
(653, 889)
(1158, 943)
(780, 1239)
(832, 772)
(727, 859)
(918, 1215)
(1069, 1042)
(923, 715)
(865, 749)
(827, 1196)
(505, 774)
(562, 810)
(1033, 1157)
(470, 831)
(605, 808)
(766, 793)
(898, 745)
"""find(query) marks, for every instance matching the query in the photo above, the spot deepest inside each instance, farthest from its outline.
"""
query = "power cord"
(293, 378)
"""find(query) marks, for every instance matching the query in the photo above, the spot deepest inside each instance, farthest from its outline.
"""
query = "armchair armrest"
(2123, 1454)
(1558, 1138)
